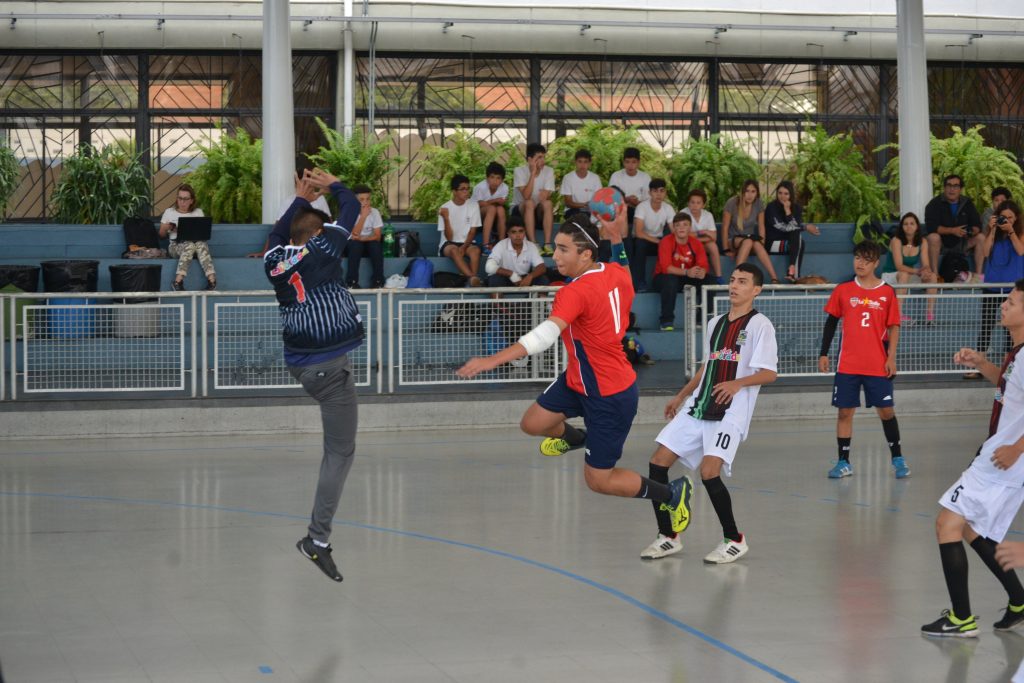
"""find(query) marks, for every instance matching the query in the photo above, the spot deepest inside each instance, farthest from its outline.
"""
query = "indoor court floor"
(470, 557)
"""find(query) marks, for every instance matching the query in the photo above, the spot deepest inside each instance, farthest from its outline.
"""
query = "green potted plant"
(716, 165)
(831, 181)
(461, 153)
(983, 168)
(100, 186)
(229, 185)
(357, 161)
(10, 174)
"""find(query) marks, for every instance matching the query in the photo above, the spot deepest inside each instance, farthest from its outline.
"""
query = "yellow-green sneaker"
(679, 507)
(557, 445)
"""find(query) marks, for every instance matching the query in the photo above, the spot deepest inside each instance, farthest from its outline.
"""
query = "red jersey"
(685, 256)
(867, 315)
(596, 307)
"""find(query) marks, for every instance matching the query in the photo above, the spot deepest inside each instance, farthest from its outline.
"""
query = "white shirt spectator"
(172, 215)
(637, 185)
(320, 204)
(462, 218)
(372, 222)
(580, 189)
(706, 224)
(521, 176)
(482, 192)
(655, 221)
(504, 254)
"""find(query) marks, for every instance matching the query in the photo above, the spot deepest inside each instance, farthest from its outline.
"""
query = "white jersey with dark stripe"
(1007, 424)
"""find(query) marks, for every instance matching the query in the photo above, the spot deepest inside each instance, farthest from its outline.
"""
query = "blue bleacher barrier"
(71, 318)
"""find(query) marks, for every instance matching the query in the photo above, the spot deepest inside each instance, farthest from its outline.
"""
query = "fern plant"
(229, 185)
(832, 184)
(357, 161)
(605, 142)
(10, 174)
(983, 168)
(100, 186)
(716, 165)
(461, 153)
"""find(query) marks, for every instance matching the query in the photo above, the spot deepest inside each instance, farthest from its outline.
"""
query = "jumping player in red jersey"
(867, 358)
(590, 314)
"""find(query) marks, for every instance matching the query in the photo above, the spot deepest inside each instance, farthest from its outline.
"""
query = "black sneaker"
(948, 626)
(211, 285)
(1012, 618)
(321, 557)
(178, 285)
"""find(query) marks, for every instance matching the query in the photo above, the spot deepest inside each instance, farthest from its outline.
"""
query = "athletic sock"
(572, 436)
(659, 475)
(722, 502)
(844, 447)
(653, 490)
(986, 549)
(954, 567)
(892, 434)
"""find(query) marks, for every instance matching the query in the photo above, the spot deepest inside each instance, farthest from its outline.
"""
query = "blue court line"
(613, 592)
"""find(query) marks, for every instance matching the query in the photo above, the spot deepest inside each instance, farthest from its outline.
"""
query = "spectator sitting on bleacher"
(999, 195)
(534, 182)
(907, 261)
(365, 241)
(491, 195)
(784, 223)
(652, 217)
(184, 251)
(681, 261)
(704, 229)
(515, 260)
(457, 221)
(634, 185)
(743, 228)
(579, 186)
(319, 203)
(952, 224)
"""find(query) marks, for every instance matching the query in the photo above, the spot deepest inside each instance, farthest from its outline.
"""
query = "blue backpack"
(420, 273)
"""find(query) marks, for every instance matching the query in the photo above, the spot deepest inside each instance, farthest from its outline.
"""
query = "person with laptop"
(186, 249)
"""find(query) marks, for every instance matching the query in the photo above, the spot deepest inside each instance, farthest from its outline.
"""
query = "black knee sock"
(954, 567)
(654, 490)
(659, 474)
(986, 549)
(844, 447)
(573, 436)
(892, 434)
(722, 502)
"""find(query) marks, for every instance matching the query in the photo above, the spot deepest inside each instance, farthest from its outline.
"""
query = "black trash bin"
(18, 279)
(138, 321)
(70, 318)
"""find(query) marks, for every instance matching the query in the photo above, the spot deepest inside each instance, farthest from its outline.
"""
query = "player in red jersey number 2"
(590, 314)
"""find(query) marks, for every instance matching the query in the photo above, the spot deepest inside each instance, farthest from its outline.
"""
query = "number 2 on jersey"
(865, 319)
(300, 290)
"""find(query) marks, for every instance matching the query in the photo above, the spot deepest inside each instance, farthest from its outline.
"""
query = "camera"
(1001, 220)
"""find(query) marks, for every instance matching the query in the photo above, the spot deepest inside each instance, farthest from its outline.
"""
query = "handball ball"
(605, 203)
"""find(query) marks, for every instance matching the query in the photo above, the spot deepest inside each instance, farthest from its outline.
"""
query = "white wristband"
(540, 338)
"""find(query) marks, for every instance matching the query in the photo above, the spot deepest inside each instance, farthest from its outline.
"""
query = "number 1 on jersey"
(613, 299)
(300, 290)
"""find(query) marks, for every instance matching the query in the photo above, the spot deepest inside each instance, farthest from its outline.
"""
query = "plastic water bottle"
(389, 240)
(402, 244)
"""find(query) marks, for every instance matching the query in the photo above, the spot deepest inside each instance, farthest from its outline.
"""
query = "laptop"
(194, 229)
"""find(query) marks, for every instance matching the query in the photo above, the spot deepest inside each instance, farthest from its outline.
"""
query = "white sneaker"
(728, 551)
(663, 546)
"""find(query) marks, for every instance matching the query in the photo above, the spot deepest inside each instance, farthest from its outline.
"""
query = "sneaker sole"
(952, 634)
(726, 560)
(658, 554)
(841, 475)
(1006, 629)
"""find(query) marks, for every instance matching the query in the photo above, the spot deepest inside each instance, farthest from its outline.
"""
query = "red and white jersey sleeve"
(867, 315)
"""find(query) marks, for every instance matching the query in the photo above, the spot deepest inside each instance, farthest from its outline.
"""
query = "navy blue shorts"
(846, 391)
(606, 418)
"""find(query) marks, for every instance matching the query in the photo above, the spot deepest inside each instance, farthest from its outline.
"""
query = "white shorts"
(691, 439)
(989, 508)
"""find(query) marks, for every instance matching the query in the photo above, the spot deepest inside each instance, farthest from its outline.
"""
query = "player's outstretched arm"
(535, 341)
(614, 231)
(978, 361)
(827, 335)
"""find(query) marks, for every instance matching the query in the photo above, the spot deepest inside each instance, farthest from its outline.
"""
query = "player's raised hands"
(321, 178)
(969, 357)
(305, 188)
(615, 230)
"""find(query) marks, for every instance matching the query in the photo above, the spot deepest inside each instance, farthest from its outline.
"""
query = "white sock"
(320, 544)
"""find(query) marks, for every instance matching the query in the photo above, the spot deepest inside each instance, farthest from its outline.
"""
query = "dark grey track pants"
(332, 386)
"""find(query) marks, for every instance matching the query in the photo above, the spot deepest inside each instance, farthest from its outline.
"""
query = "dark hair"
(682, 217)
(583, 154)
(185, 187)
(1019, 285)
(754, 271)
(579, 230)
(698, 193)
(631, 153)
(458, 180)
(1001, 191)
(656, 184)
(1018, 225)
(494, 168)
(788, 185)
(516, 220)
(749, 182)
(950, 177)
(868, 250)
(535, 148)
(362, 189)
(901, 234)
(306, 223)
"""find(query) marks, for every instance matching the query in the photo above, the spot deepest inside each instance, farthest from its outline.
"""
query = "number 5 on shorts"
(956, 493)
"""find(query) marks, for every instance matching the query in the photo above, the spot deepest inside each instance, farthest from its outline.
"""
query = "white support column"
(912, 81)
(278, 108)
(348, 78)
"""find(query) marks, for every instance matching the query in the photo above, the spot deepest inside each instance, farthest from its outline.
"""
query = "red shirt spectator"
(687, 255)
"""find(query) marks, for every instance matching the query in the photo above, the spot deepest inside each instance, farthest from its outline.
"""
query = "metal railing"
(926, 345)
